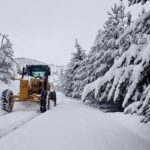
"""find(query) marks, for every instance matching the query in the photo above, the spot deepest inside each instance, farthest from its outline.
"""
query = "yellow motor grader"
(34, 87)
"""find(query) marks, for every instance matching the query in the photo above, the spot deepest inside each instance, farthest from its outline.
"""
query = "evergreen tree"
(127, 82)
(94, 57)
(104, 50)
(142, 12)
(129, 19)
(78, 79)
(6, 59)
(69, 80)
(113, 28)
(132, 2)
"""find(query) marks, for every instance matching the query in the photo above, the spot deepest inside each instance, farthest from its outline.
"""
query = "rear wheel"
(53, 97)
(6, 101)
(44, 101)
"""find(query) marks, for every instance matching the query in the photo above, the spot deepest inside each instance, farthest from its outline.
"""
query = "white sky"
(46, 29)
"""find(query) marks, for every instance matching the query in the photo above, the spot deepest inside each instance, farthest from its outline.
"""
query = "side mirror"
(24, 71)
(13, 78)
(49, 73)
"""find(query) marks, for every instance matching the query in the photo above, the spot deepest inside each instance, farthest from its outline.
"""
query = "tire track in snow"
(3, 114)
(23, 114)
(11, 127)
(5, 130)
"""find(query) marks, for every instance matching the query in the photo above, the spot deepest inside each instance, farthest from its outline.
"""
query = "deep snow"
(73, 125)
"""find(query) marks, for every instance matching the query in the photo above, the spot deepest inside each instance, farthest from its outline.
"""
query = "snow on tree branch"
(140, 25)
(6, 59)
(132, 2)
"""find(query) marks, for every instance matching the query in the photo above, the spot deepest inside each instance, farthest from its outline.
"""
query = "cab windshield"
(38, 74)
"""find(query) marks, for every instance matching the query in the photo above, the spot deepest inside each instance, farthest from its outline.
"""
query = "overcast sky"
(46, 29)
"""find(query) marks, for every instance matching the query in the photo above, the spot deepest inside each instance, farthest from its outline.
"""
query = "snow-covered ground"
(22, 113)
(73, 125)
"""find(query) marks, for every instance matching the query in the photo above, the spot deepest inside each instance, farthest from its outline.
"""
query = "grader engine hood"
(29, 87)
(36, 85)
(39, 77)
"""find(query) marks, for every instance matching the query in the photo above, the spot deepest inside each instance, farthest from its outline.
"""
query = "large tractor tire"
(6, 100)
(44, 102)
(52, 96)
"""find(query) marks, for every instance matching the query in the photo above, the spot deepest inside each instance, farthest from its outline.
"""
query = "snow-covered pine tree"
(93, 64)
(6, 59)
(59, 86)
(127, 82)
(132, 2)
(107, 47)
(88, 70)
(129, 19)
(142, 12)
(105, 50)
(70, 83)
(78, 79)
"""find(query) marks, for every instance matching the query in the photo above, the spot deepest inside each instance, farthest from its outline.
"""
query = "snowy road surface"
(75, 126)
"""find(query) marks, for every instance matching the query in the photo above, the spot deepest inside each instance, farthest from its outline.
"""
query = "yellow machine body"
(34, 87)
(30, 90)
(24, 89)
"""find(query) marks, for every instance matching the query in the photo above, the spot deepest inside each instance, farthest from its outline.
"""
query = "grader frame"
(35, 89)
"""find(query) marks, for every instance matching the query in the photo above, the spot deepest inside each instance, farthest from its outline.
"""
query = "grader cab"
(34, 87)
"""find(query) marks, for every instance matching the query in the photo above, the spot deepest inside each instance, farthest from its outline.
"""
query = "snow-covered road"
(12, 121)
(75, 126)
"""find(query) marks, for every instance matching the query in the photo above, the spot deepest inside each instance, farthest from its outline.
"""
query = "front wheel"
(44, 102)
(6, 100)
